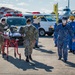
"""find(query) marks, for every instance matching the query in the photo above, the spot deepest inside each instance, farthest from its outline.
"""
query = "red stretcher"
(10, 42)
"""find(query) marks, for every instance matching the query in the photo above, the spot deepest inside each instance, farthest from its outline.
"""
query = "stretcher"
(10, 42)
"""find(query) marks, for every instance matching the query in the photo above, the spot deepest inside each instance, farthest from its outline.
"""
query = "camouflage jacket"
(2, 27)
(29, 32)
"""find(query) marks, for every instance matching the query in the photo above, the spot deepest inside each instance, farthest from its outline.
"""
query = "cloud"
(6, 5)
(44, 10)
(30, 0)
(17, 0)
(23, 4)
(60, 10)
(15, 7)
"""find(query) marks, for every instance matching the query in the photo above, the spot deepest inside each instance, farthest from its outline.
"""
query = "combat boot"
(27, 59)
(59, 58)
(73, 52)
(30, 57)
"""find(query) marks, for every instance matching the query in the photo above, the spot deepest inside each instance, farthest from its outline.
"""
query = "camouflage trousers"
(1, 42)
(28, 47)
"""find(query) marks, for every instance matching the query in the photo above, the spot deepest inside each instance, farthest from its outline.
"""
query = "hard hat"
(71, 18)
(34, 17)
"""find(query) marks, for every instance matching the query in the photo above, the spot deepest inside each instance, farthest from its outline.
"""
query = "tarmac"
(45, 61)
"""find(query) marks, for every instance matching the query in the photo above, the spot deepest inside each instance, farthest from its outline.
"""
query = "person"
(72, 44)
(63, 31)
(30, 35)
(55, 37)
(3, 27)
(36, 23)
(72, 23)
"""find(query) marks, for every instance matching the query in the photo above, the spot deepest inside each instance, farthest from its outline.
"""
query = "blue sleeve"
(56, 31)
(70, 31)
(55, 26)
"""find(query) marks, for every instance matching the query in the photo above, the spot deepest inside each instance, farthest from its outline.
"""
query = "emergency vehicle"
(46, 24)
(15, 21)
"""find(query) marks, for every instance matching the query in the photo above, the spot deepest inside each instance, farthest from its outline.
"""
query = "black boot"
(65, 61)
(70, 51)
(36, 46)
(59, 58)
(27, 59)
(30, 57)
(74, 52)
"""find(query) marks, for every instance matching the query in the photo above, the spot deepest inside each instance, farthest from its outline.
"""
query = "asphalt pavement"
(45, 61)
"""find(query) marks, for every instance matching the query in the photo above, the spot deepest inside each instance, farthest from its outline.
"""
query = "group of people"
(29, 33)
(64, 37)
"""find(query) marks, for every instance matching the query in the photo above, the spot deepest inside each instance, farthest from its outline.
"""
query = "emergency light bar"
(19, 15)
(8, 15)
(35, 12)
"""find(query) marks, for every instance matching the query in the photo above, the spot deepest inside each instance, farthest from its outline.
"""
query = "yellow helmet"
(71, 18)
(34, 17)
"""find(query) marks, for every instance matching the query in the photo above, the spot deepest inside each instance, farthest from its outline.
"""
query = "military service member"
(3, 26)
(30, 35)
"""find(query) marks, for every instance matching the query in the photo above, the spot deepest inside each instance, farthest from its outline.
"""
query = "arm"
(56, 32)
(70, 31)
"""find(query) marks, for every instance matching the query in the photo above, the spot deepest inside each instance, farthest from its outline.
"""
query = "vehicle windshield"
(16, 21)
(50, 17)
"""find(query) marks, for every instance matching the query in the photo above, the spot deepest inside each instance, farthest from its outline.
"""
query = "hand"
(34, 41)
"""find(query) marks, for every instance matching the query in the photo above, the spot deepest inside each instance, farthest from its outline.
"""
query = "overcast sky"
(36, 5)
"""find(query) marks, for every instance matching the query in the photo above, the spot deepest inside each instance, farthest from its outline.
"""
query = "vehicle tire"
(41, 32)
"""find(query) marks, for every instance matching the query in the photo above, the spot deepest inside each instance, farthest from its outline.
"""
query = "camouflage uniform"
(1, 35)
(30, 35)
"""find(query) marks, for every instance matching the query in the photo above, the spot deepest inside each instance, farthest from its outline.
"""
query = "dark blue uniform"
(63, 39)
(55, 37)
(72, 44)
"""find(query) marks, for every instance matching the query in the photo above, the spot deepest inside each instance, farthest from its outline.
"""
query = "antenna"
(68, 3)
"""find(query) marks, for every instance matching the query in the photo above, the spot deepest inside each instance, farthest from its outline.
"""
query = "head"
(34, 17)
(3, 21)
(64, 20)
(28, 21)
(71, 18)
